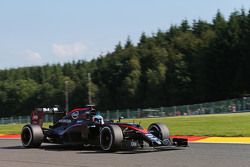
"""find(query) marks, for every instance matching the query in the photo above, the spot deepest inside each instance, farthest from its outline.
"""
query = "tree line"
(188, 63)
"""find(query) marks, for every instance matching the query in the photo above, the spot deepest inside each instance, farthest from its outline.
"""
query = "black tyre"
(110, 138)
(32, 136)
(159, 130)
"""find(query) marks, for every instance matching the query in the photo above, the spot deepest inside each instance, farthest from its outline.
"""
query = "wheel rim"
(155, 131)
(26, 136)
(106, 138)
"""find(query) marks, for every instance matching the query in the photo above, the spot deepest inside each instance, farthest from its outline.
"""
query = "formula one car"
(87, 127)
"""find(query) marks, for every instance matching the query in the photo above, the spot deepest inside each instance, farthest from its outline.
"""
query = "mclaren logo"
(75, 114)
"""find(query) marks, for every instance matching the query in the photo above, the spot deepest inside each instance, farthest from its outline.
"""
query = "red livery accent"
(134, 128)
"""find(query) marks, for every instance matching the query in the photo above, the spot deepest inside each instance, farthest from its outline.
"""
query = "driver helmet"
(98, 119)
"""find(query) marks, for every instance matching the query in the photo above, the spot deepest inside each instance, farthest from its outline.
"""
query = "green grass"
(13, 128)
(205, 125)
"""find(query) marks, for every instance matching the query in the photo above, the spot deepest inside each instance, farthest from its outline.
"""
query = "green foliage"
(189, 63)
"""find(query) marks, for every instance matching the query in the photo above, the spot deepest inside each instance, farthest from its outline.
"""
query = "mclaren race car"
(85, 126)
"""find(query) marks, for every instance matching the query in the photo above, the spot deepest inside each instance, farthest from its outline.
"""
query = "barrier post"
(175, 108)
(117, 114)
(19, 119)
(27, 119)
(139, 112)
(108, 114)
(128, 113)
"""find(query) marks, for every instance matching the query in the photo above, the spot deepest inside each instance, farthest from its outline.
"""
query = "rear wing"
(38, 114)
(54, 110)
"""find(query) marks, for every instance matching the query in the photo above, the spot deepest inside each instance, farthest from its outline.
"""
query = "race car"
(85, 126)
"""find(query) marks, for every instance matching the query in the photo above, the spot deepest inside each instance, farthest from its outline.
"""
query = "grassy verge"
(10, 128)
(206, 125)
(13, 128)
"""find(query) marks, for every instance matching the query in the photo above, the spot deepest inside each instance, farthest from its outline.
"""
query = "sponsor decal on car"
(75, 115)
(133, 144)
(153, 138)
(79, 121)
(68, 121)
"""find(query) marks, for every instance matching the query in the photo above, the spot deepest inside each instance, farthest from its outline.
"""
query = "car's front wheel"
(159, 130)
(110, 138)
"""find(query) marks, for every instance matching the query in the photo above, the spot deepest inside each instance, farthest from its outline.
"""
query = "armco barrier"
(21, 119)
(225, 106)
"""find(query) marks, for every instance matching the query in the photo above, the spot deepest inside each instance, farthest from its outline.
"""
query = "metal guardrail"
(225, 106)
(22, 119)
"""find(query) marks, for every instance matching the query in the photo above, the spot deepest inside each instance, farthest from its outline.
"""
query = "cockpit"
(98, 119)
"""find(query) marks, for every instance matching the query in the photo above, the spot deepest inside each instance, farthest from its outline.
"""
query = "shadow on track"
(91, 149)
(136, 151)
(52, 147)
(12, 147)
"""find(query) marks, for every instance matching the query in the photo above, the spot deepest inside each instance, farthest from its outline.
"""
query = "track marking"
(13, 136)
(239, 140)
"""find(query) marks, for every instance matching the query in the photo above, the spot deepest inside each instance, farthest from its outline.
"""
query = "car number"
(133, 144)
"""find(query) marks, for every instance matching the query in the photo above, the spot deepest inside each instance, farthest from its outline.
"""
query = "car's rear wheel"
(32, 136)
(110, 138)
(159, 130)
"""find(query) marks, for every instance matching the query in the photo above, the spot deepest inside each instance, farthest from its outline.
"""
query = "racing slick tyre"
(110, 138)
(159, 130)
(32, 136)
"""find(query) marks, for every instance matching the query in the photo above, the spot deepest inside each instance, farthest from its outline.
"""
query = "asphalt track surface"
(12, 154)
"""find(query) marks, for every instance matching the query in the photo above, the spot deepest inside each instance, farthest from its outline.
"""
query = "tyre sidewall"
(110, 131)
(35, 134)
(162, 129)
(116, 137)
(26, 129)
